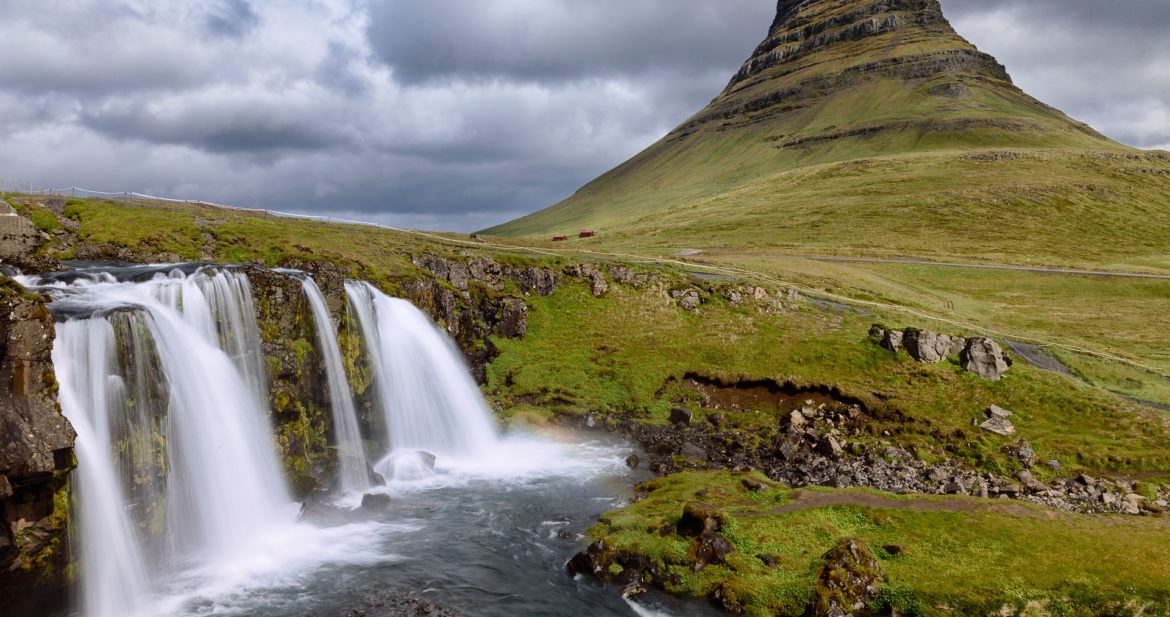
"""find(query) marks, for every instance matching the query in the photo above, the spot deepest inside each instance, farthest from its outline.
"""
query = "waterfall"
(164, 375)
(352, 467)
(112, 558)
(424, 390)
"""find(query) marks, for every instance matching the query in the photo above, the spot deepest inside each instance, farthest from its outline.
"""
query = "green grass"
(618, 355)
(970, 557)
(44, 220)
(943, 205)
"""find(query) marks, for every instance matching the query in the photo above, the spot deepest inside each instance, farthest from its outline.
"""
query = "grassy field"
(1046, 207)
(619, 354)
(958, 555)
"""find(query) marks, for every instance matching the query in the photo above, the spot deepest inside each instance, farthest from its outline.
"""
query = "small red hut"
(587, 233)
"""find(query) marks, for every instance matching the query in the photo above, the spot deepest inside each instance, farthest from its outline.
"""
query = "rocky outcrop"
(36, 450)
(979, 355)
(822, 445)
(22, 243)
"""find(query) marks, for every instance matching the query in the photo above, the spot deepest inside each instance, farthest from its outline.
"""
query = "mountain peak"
(802, 26)
(833, 81)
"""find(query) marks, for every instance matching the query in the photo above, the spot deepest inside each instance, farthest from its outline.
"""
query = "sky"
(455, 114)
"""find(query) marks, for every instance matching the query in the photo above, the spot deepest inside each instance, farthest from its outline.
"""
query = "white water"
(424, 390)
(116, 582)
(224, 487)
(352, 466)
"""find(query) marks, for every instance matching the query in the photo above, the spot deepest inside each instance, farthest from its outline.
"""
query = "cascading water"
(223, 484)
(424, 390)
(353, 475)
(112, 558)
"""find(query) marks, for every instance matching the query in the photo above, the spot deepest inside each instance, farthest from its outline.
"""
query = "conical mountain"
(852, 120)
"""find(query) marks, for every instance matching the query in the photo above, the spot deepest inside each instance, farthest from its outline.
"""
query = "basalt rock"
(36, 451)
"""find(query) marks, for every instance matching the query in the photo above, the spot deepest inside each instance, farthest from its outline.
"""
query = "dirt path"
(944, 264)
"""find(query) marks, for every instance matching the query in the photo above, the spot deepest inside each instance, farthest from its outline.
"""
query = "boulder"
(699, 518)
(770, 561)
(892, 340)
(709, 549)
(1023, 452)
(930, 347)
(600, 285)
(830, 447)
(681, 415)
(753, 485)
(593, 561)
(999, 426)
(693, 451)
(849, 580)
(796, 422)
(486, 271)
(375, 502)
(995, 411)
(985, 358)
(1132, 504)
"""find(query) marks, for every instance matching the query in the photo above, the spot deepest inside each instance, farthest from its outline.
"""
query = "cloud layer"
(453, 114)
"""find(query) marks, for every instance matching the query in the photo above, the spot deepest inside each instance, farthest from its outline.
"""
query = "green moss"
(303, 350)
(969, 555)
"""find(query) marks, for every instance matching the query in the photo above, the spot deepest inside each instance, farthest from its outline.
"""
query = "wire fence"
(24, 187)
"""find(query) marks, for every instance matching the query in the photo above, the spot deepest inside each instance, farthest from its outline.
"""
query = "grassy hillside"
(896, 139)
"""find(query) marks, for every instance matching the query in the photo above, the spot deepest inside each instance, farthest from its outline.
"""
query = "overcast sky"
(455, 114)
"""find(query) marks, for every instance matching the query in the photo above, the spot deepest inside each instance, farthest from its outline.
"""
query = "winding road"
(945, 264)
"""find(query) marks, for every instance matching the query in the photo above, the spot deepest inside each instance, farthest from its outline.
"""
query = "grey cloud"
(552, 41)
(231, 18)
(229, 129)
(336, 70)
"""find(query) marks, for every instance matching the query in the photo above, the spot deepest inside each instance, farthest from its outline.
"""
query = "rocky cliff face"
(819, 49)
(36, 450)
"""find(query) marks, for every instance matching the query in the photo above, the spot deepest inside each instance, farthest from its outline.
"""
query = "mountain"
(852, 120)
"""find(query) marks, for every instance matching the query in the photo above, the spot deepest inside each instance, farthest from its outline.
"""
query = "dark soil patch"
(764, 394)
